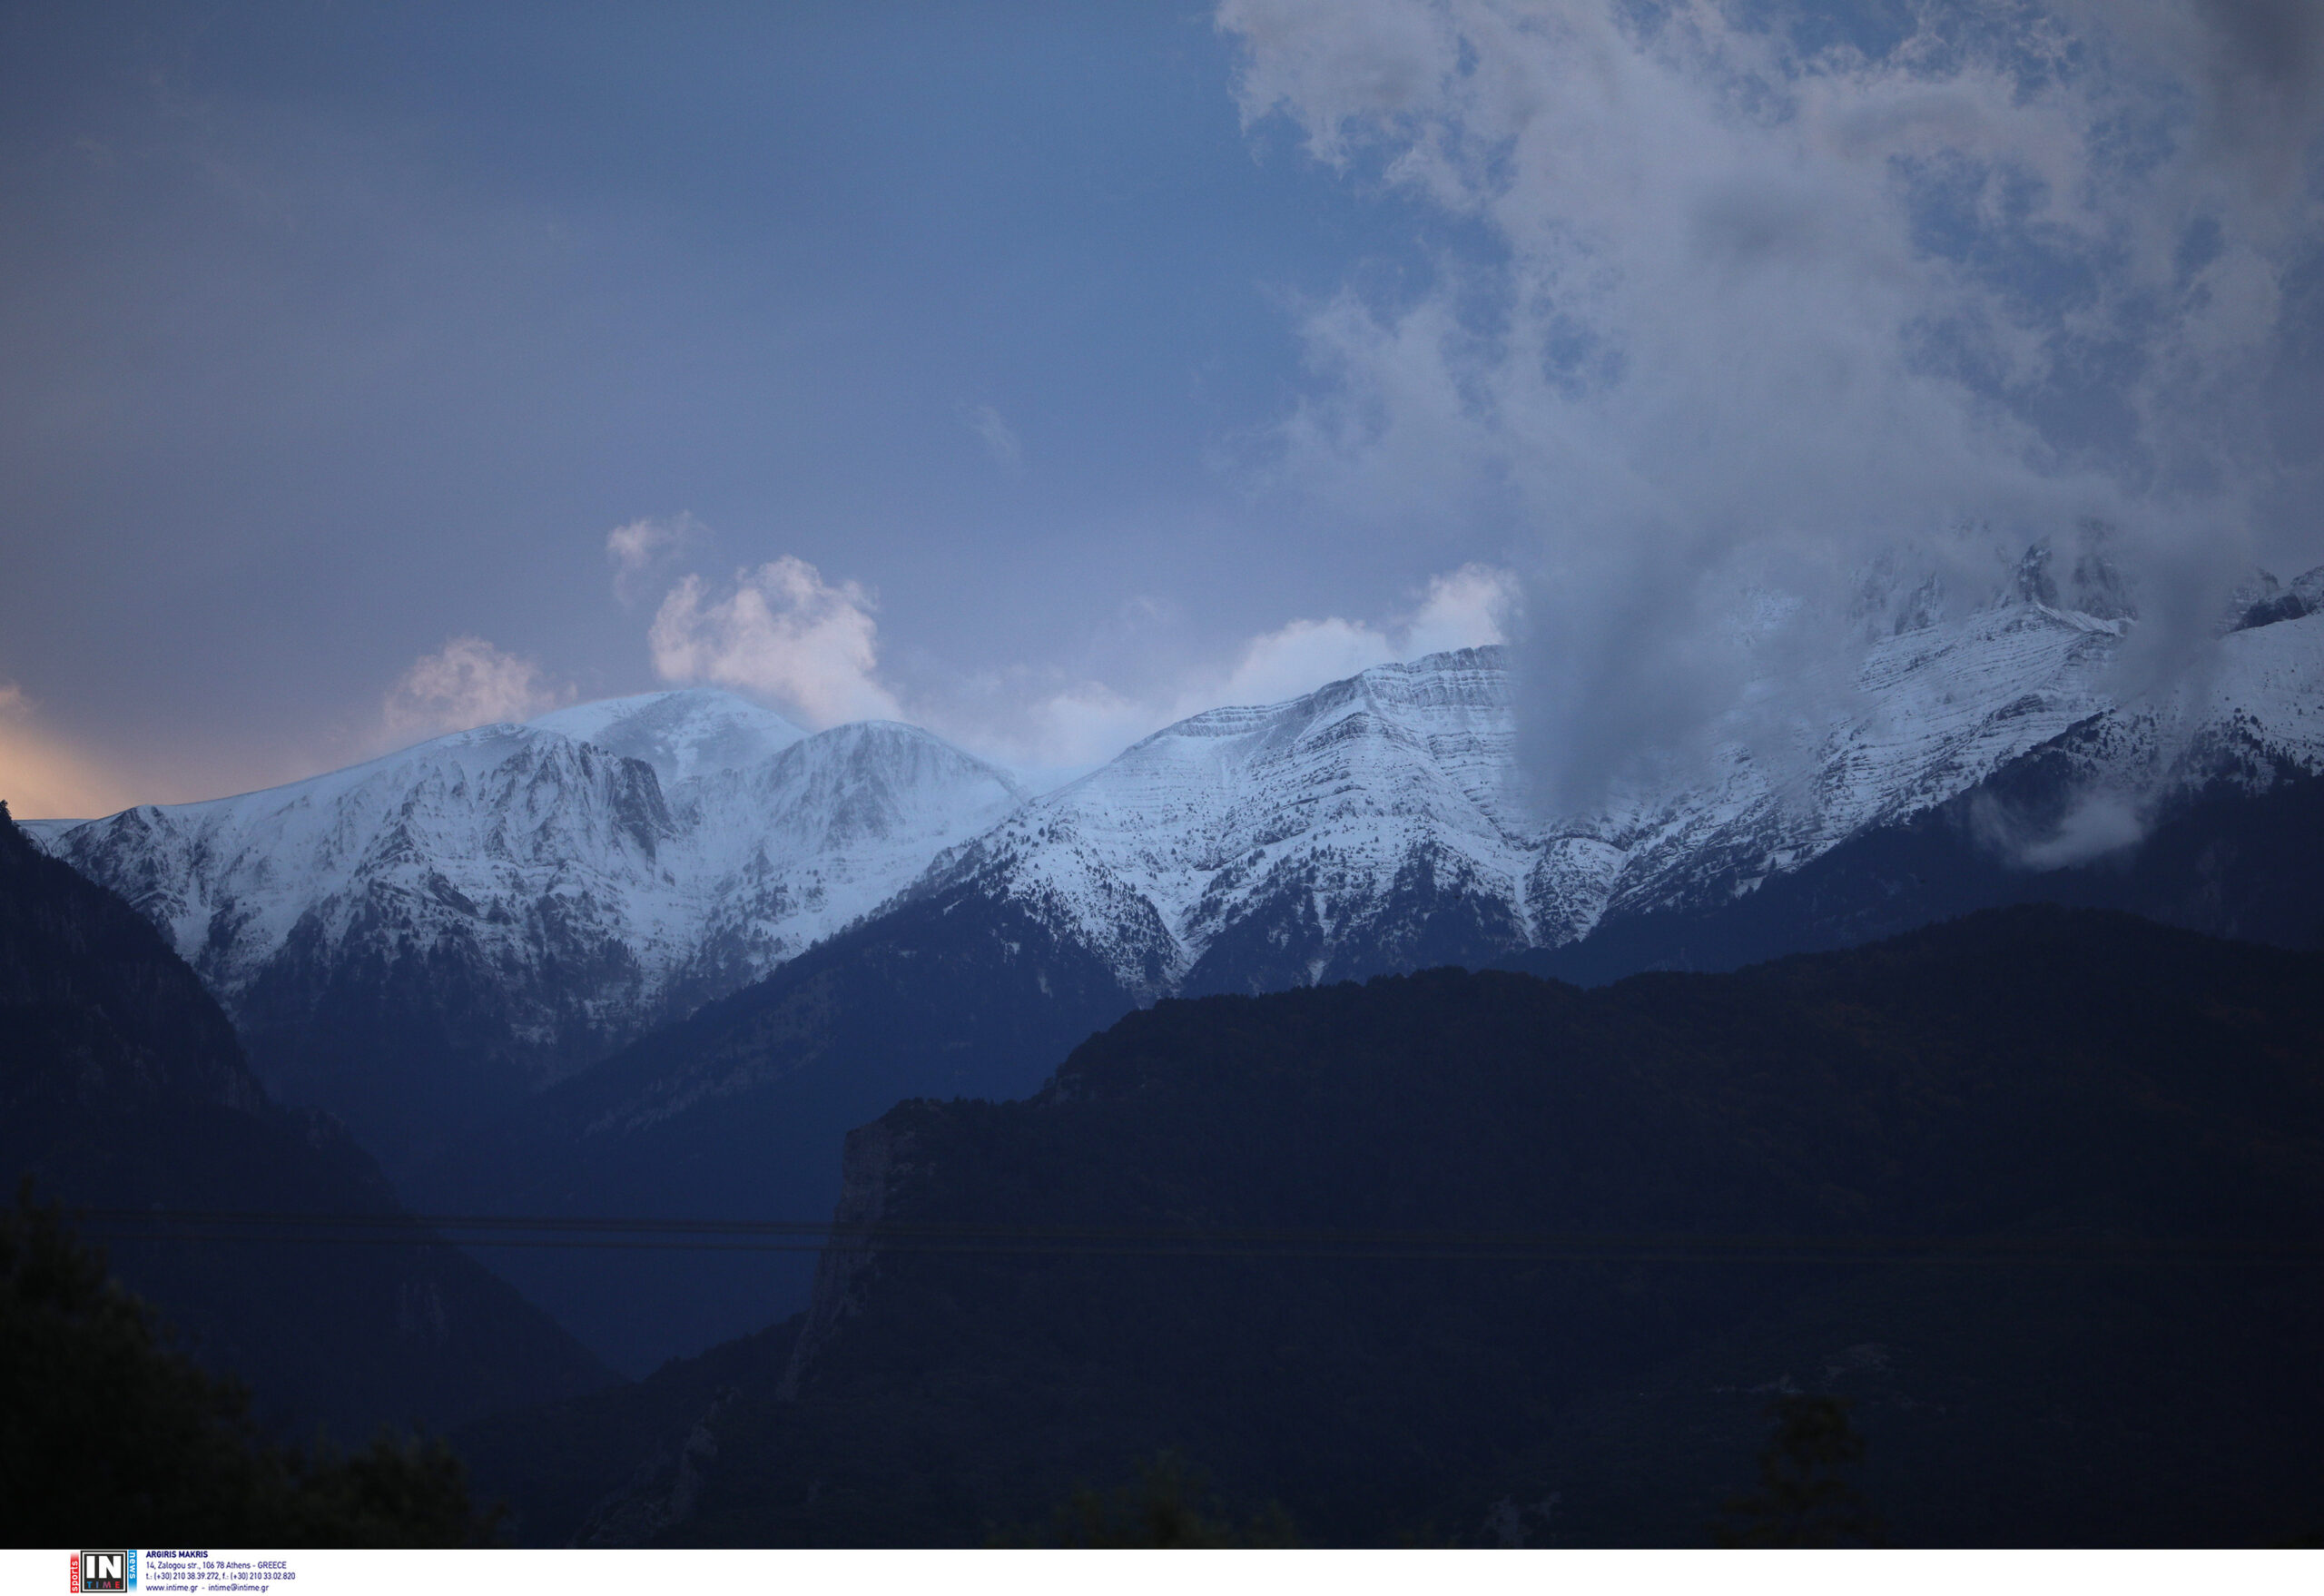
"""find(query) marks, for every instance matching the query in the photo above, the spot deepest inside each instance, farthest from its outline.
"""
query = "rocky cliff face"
(870, 1169)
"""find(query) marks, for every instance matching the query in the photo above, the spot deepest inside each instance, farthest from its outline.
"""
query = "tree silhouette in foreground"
(1802, 1499)
(1166, 1508)
(108, 1434)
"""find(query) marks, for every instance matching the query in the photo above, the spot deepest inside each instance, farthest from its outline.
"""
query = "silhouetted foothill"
(1496, 1259)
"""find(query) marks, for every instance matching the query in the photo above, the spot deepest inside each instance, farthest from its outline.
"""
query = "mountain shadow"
(740, 1112)
(125, 1093)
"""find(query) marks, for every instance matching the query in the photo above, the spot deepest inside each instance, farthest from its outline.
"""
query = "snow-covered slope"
(524, 897)
(786, 852)
(683, 733)
(502, 906)
(493, 835)
(1389, 780)
(1368, 827)
(1371, 825)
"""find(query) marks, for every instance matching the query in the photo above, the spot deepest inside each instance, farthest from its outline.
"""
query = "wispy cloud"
(639, 550)
(1000, 439)
(466, 683)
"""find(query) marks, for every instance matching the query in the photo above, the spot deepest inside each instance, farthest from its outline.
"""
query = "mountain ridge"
(511, 903)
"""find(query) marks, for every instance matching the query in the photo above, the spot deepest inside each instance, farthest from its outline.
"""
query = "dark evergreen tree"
(109, 1434)
(1170, 1505)
(1804, 1499)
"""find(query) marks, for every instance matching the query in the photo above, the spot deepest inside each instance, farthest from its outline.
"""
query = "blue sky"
(1039, 372)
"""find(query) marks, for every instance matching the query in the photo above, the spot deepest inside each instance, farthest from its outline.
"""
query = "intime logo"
(105, 1571)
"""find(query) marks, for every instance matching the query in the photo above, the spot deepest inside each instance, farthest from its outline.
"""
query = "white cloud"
(1338, 63)
(1467, 608)
(1299, 657)
(1074, 729)
(638, 548)
(1000, 439)
(466, 683)
(1086, 722)
(782, 633)
(2097, 824)
(1462, 609)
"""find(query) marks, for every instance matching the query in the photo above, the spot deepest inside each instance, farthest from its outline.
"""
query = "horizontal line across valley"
(489, 1231)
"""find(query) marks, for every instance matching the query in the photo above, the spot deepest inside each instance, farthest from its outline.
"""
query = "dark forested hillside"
(1473, 1257)
(123, 1091)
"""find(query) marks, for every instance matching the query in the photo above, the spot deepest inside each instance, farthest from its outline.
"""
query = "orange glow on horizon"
(43, 777)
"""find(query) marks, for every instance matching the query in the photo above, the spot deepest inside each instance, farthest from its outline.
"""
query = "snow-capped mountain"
(1371, 825)
(432, 936)
(787, 851)
(439, 931)
(1374, 806)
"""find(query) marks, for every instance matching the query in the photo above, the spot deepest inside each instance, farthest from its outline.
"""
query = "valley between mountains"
(654, 957)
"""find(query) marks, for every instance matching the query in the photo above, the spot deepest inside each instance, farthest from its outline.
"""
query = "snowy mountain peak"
(790, 851)
(867, 782)
(519, 898)
(1331, 799)
(1473, 675)
(1371, 823)
(2259, 600)
(683, 733)
(877, 780)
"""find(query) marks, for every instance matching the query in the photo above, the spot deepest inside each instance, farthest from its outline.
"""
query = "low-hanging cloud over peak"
(466, 683)
(1467, 608)
(781, 632)
(1076, 724)
(1725, 304)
